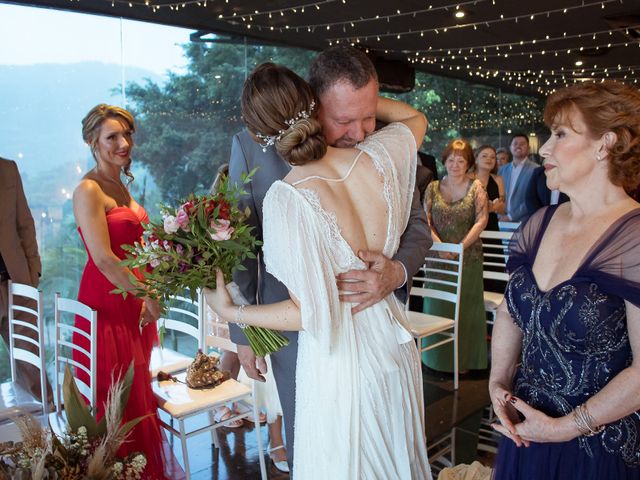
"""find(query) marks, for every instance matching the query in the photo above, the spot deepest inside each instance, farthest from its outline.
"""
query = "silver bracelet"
(238, 318)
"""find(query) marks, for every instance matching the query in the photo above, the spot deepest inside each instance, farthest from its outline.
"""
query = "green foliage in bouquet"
(203, 234)
(183, 251)
(88, 449)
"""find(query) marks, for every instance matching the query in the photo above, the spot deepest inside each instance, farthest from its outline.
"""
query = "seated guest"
(516, 176)
(565, 372)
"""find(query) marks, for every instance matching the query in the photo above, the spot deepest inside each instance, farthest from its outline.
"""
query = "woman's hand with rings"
(507, 414)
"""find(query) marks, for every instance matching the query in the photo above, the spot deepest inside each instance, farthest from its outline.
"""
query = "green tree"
(456, 108)
(185, 127)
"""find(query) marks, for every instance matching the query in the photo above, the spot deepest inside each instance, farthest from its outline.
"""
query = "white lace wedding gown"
(359, 402)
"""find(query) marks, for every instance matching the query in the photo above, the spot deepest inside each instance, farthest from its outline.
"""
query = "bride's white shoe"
(282, 465)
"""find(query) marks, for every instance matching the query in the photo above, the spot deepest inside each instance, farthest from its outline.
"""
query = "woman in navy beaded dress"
(565, 377)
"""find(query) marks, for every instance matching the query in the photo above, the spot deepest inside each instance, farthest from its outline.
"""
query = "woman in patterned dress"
(457, 213)
(565, 370)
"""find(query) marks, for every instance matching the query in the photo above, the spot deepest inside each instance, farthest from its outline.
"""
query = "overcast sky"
(37, 35)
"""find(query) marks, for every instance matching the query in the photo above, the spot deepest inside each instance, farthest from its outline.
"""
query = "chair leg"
(185, 452)
(256, 422)
(453, 446)
(214, 431)
(456, 367)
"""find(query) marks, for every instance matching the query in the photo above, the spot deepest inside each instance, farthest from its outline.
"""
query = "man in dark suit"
(19, 262)
(539, 194)
(426, 172)
(345, 82)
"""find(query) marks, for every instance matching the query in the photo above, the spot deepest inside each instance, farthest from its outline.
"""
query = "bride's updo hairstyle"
(607, 106)
(280, 109)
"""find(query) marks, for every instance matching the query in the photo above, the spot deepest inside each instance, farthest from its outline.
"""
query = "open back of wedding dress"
(359, 402)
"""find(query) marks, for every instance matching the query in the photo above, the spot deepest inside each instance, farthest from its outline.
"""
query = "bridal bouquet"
(202, 234)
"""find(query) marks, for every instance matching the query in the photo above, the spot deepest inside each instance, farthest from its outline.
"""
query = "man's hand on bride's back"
(367, 287)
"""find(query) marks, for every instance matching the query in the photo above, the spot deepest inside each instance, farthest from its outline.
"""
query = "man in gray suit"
(346, 84)
(517, 176)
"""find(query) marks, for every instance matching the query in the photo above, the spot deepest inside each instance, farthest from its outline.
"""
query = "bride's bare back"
(349, 187)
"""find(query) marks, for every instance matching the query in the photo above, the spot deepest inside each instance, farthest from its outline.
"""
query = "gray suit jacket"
(258, 286)
(518, 205)
(256, 283)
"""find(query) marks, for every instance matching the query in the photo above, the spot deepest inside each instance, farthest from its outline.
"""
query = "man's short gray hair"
(341, 63)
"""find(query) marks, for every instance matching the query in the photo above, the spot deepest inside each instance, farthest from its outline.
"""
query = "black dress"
(492, 224)
(492, 192)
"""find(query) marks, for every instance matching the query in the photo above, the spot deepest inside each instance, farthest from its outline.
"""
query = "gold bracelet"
(585, 422)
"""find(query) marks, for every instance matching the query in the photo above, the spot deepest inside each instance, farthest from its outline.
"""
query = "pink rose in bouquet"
(222, 229)
(182, 218)
(205, 233)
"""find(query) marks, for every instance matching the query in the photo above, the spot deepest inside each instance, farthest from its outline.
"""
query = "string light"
(486, 23)
(387, 18)
(510, 45)
(384, 36)
(281, 11)
(534, 52)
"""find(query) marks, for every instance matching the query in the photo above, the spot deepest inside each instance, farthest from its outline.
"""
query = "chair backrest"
(217, 332)
(186, 316)
(495, 252)
(508, 226)
(19, 326)
(442, 276)
(84, 323)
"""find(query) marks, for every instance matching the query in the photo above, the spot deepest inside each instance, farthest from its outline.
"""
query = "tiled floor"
(237, 458)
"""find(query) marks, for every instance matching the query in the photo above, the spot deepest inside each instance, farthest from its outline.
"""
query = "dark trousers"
(283, 364)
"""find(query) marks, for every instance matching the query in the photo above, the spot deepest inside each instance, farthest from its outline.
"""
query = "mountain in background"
(41, 107)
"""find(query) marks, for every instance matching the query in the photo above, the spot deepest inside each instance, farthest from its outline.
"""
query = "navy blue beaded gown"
(575, 341)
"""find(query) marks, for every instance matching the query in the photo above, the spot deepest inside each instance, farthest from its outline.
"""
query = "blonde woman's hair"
(92, 122)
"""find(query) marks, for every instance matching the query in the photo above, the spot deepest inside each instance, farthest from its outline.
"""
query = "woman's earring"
(598, 157)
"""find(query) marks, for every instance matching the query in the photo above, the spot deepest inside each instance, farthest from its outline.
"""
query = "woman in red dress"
(107, 218)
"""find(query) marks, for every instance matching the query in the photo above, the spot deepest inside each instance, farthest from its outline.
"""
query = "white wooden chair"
(508, 226)
(65, 311)
(185, 316)
(14, 399)
(180, 403)
(494, 266)
(442, 280)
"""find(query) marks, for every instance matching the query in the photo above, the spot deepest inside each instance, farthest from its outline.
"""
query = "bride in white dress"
(359, 401)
